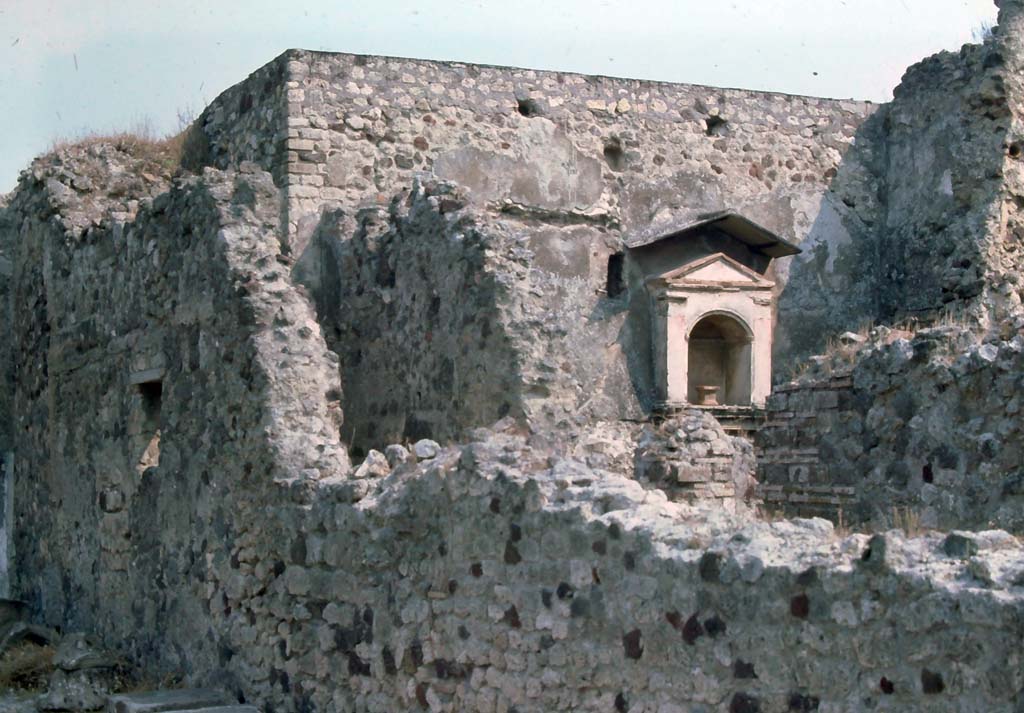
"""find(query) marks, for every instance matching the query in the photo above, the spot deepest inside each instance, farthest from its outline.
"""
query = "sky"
(68, 67)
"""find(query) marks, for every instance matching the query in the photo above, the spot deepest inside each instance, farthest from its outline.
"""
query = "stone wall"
(6, 377)
(495, 578)
(1007, 292)
(922, 424)
(945, 184)
(248, 122)
(572, 151)
(903, 210)
(447, 316)
(165, 371)
(416, 305)
(690, 458)
(175, 406)
(795, 469)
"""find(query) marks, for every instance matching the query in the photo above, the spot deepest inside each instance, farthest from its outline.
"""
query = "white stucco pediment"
(714, 269)
(728, 306)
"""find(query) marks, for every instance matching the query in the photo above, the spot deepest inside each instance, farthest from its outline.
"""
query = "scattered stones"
(425, 449)
(375, 465)
(691, 457)
(959, 545)
(396, 455)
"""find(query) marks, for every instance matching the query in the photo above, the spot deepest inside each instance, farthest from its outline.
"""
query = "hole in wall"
(926, 473)
(528, 107)
(151, 398)
(614, 156)
(1014, 150)
(715, 126)
(615, 284)
(152, 394)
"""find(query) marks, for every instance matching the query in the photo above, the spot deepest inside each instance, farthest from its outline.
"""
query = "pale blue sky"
(67, 66)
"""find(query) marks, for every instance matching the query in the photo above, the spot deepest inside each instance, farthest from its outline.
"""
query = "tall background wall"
(583, 163)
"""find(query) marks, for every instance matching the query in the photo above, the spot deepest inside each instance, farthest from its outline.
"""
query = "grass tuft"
(184, 148)
(26, 667)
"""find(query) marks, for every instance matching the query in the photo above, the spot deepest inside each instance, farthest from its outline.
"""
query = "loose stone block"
(170, 700)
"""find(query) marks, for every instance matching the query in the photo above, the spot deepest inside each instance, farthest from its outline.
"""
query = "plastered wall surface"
(567, 151)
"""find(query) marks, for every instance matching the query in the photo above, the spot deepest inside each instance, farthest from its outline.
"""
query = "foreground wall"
(498, 578)
(165, 372)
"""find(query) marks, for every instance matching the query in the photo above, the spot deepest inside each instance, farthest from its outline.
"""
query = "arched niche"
(719, 358)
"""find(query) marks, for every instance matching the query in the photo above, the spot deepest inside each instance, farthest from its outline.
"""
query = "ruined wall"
(495, 578)
(416, 305)
(448, 316)
(943, 181)
(690, 457)
(902, 210)
(248, 122)
(125, 490)
(1007, 289)
(925, 423)
(487, 577)
(6, 377)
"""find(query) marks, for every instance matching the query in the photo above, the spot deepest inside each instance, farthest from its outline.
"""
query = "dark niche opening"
(152, 394)
(148, 436)
(715, 126)
(528, 107)
(614, 156)
(926, 473)
(615, 283)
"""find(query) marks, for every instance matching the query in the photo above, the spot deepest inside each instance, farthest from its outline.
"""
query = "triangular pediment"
(717, 268)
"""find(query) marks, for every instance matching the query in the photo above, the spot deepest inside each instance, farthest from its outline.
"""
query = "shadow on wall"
(411, 307)
(832, 286)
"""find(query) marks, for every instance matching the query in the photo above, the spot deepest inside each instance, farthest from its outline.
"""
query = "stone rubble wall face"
(1008, 250)
(447, 316)
(941, 241)
(690, 457)
(7, 232)
(486, 580)
(189, 282)
(418, 320)
(930, 425)
(249, 122)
